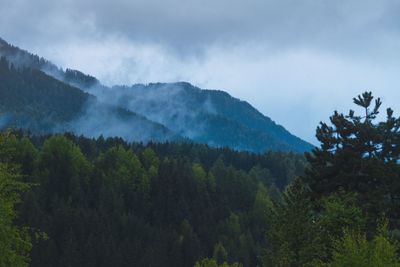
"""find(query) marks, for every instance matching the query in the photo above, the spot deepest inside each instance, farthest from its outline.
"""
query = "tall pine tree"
(359, 155)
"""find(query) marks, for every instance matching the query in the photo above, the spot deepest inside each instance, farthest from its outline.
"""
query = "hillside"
(106, 202)
(159, 111)
(22, 58)
(208, 116)
(31, 99)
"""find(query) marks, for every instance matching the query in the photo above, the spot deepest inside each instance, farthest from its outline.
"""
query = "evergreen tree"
(359, 155)
(353, 249)
(213, 263)
(15, 241)
(106, 202)
(292, 234)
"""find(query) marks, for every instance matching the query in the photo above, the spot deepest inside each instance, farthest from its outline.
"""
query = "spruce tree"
(293, 235)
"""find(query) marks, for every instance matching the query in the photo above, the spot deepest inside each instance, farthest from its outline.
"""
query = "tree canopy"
(358, 154)
(15, 241)
(106, 202)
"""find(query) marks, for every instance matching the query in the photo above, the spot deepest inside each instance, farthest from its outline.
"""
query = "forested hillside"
(104, 202)
(155, 133)
(21, 58)
(207, 116)
(158, 111)
(31, 99)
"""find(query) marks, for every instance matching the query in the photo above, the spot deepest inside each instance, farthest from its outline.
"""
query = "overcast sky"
(296, 61)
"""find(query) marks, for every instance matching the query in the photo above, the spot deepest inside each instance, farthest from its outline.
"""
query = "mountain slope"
(208, 116)
(21, 58)
(37, 99)
(29, 98)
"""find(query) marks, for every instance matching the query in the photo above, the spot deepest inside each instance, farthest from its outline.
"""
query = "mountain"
(21, 58)
(207, 116)
(31, 99)
(157, 111)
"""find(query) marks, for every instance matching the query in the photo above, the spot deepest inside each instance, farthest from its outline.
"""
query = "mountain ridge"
(184, 98)
(35, 100)
(209, 116)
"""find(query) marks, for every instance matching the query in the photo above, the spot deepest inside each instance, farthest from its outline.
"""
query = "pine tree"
(359, 156)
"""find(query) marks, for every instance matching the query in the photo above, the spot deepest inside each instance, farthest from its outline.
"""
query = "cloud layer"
(296, 61)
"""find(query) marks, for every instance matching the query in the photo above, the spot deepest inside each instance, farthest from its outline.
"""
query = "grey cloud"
(189, 26)
(296, 61)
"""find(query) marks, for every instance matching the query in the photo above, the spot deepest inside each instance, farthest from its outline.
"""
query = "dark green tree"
(62, 169)
(293, 235)
(361, 156)
(106, 202)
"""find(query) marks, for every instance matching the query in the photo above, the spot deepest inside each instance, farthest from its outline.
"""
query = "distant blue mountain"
(157, 111)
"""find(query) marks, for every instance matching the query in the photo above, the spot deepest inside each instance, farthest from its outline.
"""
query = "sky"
(295, 61)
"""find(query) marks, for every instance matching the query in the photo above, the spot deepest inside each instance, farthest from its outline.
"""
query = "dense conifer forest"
(68, 200)
(104, 202)
(71, 200)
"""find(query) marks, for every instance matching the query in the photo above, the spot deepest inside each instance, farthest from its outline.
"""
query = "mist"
(170, 104)
(100, 119)
(294, 61)
(5, 119)
(298, 88)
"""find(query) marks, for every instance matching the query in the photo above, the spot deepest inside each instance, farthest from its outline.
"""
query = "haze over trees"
(157, 111)
(194, 193)
(105, 202)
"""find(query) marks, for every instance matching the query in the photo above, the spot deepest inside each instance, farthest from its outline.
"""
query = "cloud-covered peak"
(291, 59)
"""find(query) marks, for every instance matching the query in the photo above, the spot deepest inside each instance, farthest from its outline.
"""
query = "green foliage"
(24, 153)
(352, 179)
(190, 244)
(213, 263)
(359, 156)
(338, 211)
(199, 175)
(293, 235)
(353, 249)
(104, 202)
(62, 169)
(15, 241)
(150, 159)
(220, 255)
(262, 204)
(123, 168)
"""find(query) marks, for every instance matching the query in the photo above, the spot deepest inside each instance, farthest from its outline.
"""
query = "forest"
(68, 200)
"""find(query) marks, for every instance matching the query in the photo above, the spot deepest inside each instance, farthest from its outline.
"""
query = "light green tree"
(213, 263)
(353, 249)
(15, 241)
